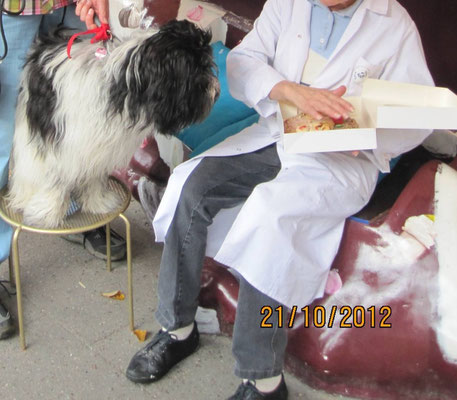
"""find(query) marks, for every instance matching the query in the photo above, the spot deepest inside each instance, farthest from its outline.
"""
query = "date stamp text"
(321, 317)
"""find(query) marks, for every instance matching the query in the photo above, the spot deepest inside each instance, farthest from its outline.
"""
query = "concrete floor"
(78, 341)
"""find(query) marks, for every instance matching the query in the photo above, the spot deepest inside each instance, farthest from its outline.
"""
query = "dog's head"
(168, 81)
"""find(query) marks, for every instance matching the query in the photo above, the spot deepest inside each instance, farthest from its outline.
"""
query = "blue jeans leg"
(20, 32)
(216, 183)
(258, 351)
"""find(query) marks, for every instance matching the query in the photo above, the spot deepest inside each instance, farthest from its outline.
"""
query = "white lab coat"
(284, 238)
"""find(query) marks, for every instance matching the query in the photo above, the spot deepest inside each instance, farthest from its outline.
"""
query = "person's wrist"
(279, 91)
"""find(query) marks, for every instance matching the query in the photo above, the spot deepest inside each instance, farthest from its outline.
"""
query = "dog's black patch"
(42, 96)
(175, 72)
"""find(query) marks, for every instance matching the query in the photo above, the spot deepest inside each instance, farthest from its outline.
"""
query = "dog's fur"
(79, 119)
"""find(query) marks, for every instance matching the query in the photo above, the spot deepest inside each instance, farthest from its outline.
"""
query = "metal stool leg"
(108, 247)
(15, 254)
(129, 268)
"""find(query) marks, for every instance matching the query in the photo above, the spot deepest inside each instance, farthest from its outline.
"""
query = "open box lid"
(392, 105)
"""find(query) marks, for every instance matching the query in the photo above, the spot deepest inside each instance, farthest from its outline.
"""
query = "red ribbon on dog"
(102, 33)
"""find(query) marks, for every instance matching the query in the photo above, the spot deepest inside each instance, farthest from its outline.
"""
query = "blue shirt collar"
(346, 12)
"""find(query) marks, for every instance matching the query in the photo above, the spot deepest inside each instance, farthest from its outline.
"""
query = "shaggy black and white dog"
(79, 119)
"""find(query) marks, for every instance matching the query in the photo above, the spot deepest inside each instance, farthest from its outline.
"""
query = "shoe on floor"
(94, 242)
(248, 391)
(150, 194)
(6, 324)
(163, 352)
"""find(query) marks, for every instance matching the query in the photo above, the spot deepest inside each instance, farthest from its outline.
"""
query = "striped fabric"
(35, 7)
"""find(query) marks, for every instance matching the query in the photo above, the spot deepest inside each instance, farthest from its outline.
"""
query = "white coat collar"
(377, 6)
(345, 12)
(302, 12)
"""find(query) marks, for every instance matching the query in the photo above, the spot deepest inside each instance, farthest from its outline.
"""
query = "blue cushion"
(228, 116)
(393, 162)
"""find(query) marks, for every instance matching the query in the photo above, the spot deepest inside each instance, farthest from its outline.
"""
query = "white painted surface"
(446, 242)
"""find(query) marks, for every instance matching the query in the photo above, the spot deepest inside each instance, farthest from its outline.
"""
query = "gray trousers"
(217, 183)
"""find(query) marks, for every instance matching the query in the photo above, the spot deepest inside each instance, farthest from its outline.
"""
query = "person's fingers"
(317, 103)
(79, 5)
(335, 106)
(89, 20)
(326, 107)
(313, 101)
(345, 106)
(340, 91)
(102, 11)
(84, 10)
(311, 110)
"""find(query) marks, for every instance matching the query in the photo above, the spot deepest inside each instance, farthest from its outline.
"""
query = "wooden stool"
(76, 223)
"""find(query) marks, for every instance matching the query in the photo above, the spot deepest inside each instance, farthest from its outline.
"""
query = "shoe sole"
(144, 380)
(74, 238)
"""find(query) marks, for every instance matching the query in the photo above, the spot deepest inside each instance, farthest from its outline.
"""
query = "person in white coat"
(276, 219)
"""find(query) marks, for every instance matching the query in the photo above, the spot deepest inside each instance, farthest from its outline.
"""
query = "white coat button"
(322, 41)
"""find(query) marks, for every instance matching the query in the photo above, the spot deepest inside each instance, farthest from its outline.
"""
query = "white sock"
(266, 385)
(182, 333)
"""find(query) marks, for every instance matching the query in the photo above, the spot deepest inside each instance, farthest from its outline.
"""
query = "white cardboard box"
(383, 104)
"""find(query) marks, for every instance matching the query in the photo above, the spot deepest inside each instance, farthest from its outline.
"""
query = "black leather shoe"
(247, 391)
(160, 355)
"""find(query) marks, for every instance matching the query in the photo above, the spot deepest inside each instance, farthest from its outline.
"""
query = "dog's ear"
(169, 78)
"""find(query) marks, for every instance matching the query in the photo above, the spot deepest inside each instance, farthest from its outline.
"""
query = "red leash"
(102, 33)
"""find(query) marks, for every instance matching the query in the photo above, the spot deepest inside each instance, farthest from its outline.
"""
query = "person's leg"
(19, 32)
(216, 183)
(262, 358)
(259, 351)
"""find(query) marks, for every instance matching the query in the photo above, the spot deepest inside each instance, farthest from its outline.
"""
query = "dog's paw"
(100, 202)
(43, 213)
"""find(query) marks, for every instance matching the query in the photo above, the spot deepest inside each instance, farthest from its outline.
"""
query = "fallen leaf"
(140, 334)
(116, 295)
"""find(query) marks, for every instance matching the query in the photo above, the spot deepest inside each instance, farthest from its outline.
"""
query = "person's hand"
(313, 101)
(86, 10)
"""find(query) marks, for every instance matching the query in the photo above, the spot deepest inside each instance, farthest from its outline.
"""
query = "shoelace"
(161, 338)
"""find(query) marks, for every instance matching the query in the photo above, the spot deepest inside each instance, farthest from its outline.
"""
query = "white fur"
(91, 148)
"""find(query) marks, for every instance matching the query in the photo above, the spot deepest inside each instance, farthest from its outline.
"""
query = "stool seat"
(77, 222)
(74, 223)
